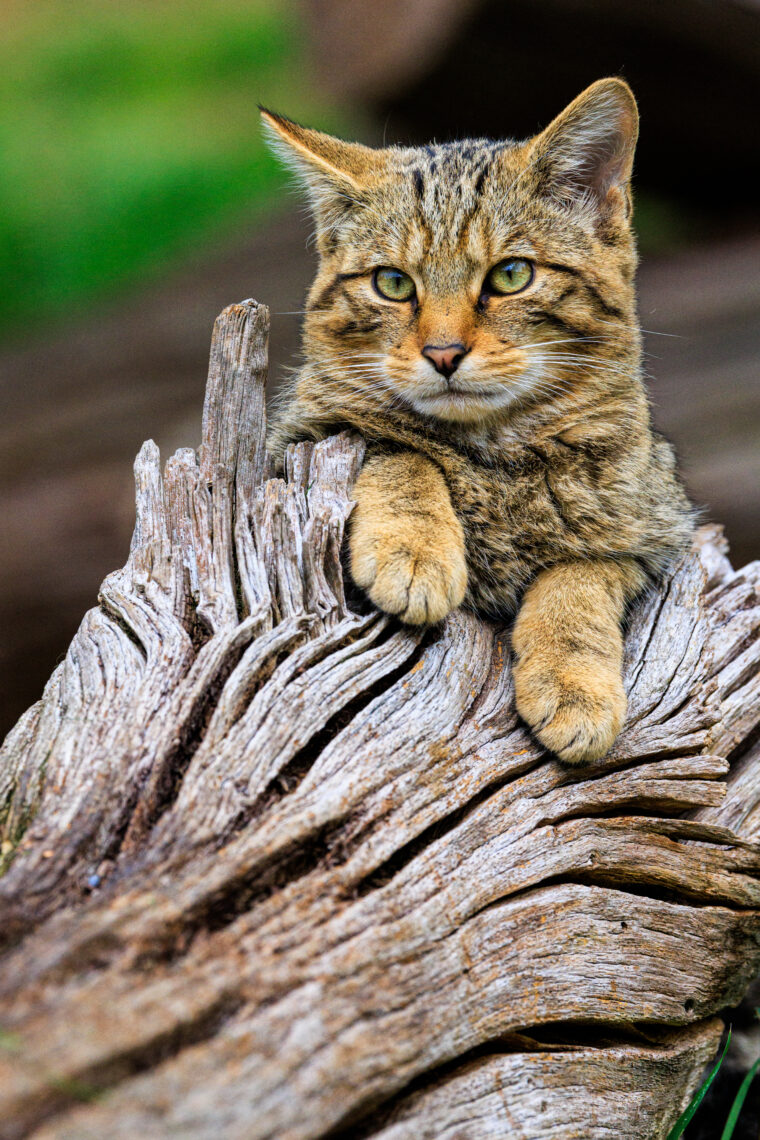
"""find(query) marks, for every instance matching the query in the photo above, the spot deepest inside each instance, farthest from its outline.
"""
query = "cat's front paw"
(421, 583)
(575, 711)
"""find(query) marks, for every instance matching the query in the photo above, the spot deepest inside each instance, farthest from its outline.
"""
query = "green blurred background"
(129, 135)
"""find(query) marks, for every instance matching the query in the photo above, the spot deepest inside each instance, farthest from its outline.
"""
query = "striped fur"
(532, 483)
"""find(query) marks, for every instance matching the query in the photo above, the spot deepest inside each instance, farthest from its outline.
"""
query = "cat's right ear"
(333, 171)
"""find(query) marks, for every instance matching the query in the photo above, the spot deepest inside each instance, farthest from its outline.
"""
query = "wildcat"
(474, 318)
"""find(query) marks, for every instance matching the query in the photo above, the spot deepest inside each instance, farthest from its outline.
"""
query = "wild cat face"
(468, 278)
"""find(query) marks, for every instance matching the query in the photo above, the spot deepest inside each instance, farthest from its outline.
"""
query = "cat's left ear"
(331, 169)
(586, 155)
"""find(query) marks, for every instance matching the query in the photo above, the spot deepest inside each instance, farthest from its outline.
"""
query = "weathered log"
(277, 866)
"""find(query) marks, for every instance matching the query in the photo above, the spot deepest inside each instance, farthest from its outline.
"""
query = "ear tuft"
(586, 154)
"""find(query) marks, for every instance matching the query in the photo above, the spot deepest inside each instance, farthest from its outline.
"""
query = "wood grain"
(276, 866)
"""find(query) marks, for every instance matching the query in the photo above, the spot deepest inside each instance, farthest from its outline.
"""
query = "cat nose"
(445, 358)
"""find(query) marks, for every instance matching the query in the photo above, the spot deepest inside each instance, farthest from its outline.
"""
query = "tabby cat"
(474, 317)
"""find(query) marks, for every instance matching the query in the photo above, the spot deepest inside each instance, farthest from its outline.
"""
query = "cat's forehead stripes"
(426, 211)
(448, 179)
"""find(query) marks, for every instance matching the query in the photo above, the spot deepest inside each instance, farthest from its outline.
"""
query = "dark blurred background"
(137, 200)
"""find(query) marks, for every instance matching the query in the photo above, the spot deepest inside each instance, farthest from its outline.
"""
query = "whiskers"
(553, 353)
(545, 375)
(553, 373)
(361, 377)
(585, 364)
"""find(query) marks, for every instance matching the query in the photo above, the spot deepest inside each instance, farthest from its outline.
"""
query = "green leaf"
(679, 1127)
(738, 1104)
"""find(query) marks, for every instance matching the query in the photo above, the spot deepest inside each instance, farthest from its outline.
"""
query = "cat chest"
(516, 521)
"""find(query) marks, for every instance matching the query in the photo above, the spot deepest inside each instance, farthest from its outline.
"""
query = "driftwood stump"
(278, 868)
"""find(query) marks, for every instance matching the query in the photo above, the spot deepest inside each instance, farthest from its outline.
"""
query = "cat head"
(468, 278)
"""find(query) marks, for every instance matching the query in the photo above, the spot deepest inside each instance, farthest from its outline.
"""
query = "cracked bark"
(275, 867)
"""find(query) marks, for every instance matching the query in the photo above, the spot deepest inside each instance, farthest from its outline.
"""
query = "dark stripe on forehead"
(419, 185)
(482, 177)
(431, 155)
(463, 186)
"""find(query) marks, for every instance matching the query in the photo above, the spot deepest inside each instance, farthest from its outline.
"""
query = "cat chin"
(464, 409)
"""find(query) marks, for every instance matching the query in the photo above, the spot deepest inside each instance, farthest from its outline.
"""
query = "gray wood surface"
(275, 867)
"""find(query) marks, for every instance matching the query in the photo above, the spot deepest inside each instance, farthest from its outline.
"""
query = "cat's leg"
(568, 648)
(406, 543)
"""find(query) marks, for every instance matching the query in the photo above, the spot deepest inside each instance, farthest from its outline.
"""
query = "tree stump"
(277, 866)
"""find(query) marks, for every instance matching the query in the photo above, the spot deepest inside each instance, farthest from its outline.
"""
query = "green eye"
(510, 276)
(393, 284)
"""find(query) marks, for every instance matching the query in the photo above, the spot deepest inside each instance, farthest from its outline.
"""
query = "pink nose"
(445, 358)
